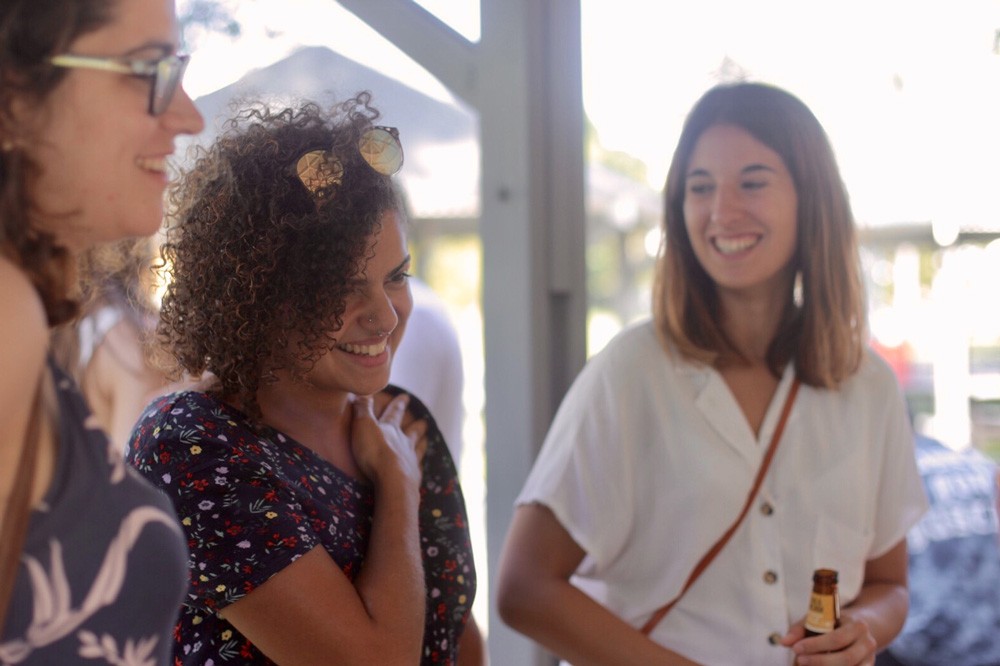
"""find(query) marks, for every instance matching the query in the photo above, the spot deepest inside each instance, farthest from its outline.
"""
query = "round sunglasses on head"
(319, 170)
(164, 73)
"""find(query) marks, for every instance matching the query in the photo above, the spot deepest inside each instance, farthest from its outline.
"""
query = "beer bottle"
(824, 605)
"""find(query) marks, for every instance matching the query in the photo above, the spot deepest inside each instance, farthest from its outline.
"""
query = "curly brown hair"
(31, 32)
(253, 259)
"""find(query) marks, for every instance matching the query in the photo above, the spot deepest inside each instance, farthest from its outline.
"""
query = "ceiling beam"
(431, 42)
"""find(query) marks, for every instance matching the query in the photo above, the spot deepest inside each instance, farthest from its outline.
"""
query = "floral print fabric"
(102, 569)
(251, 501)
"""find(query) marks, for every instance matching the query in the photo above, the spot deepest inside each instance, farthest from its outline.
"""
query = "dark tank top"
(103, 570)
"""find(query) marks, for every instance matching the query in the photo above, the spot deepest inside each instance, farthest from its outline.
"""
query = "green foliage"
(616, 160)
(207, 16)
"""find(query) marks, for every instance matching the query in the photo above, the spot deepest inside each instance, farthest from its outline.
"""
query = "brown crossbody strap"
(714, 550)
(18, 510)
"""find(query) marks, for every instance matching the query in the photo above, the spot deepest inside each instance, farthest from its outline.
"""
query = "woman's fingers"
(395, 410)
(420, 448)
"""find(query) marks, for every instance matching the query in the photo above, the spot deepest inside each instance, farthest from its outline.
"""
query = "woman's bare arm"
(536, 598)
(311, 613)
(23, 335)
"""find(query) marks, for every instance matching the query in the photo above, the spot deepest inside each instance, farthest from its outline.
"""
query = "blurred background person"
(954, 556)
(107, 348)
(429, 364)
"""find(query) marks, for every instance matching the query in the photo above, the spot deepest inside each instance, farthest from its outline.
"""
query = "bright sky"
(909, 90)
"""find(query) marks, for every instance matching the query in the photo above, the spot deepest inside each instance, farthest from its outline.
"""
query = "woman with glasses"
(322, 510)
(91, 556)
(641, 535)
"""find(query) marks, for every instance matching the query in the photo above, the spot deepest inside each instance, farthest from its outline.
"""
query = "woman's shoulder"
(177, 413)
(635, 348)
(22, 314)
(874, 375)
(194, 430)
(23, 329)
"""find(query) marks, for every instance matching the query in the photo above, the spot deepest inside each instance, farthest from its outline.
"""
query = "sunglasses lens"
(382, 150)
(319, 170)
(169, 72)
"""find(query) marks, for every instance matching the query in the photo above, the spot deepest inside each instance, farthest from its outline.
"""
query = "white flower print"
(53, 615)
(135, 653)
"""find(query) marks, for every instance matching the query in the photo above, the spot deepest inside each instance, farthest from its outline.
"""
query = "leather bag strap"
(17, 512)
(707, 558)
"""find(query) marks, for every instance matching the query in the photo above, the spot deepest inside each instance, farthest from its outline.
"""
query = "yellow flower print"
(195, 449)
(227, 634)
(270, 514)
(220, 588)
(186, 521)
(436, 513)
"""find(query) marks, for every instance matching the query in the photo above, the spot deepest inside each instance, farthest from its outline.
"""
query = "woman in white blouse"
(655, 449)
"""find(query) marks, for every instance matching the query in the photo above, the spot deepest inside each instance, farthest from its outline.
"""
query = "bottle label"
(822, 615)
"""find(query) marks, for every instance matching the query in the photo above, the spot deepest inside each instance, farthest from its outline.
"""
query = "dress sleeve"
(242, 520)
(582, 473)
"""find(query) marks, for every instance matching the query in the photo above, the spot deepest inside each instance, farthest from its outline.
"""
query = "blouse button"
(770, 577)
(774, 638)
(766, 508)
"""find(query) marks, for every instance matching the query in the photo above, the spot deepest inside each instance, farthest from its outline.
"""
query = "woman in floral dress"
(322, 510)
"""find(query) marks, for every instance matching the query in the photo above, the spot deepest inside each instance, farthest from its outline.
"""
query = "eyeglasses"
(379, 146)
(165, 73)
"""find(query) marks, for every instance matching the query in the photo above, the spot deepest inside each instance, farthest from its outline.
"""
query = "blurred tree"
(206, 16)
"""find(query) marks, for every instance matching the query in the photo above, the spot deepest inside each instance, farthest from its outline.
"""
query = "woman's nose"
(725, 205)
(182, 116)
(380, 313)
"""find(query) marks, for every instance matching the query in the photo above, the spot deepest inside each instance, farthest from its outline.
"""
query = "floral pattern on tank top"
(102, 567)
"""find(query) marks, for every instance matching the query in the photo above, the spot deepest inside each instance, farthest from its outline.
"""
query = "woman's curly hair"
(253, 260)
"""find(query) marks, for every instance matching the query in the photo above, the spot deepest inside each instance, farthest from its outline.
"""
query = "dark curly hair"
(253, 259)
(31, 32)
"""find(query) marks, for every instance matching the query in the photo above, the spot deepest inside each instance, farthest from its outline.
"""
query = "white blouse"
(649, 460)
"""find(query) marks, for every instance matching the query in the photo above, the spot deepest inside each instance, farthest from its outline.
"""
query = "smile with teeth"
(734, 244)
(154, 164)
(365, 350)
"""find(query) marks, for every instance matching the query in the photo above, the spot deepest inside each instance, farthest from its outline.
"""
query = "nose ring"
(371, 319)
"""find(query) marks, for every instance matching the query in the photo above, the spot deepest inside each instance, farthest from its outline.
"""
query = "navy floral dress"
(252, 500)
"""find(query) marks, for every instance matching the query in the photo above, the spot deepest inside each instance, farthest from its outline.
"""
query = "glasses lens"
(169, 72)
(381, 148)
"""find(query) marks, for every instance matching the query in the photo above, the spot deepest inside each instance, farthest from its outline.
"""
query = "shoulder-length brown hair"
(254, 259)
(824, 334)
(31, 32)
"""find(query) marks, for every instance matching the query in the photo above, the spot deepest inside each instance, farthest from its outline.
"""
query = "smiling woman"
(678, 412)
(321, 506)
(91, 558)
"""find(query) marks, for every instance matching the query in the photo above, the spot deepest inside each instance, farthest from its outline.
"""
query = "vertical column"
(534, 296)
